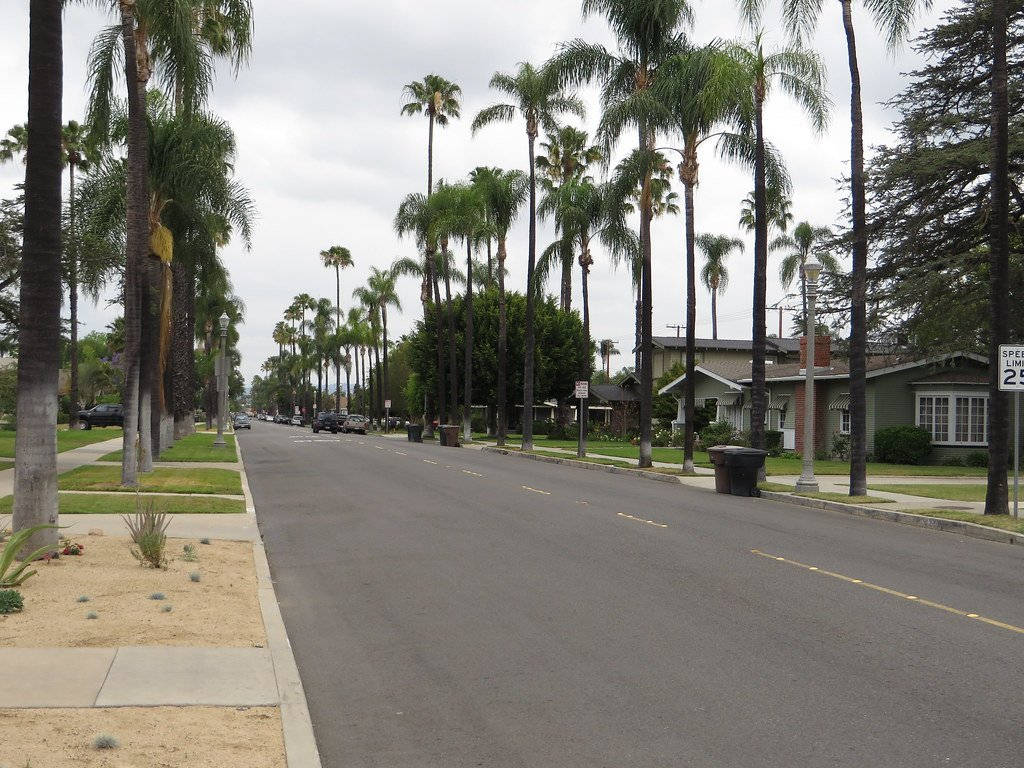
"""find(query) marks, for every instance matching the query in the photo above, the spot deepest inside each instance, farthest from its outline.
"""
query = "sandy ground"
(219, 610)
(149, 737)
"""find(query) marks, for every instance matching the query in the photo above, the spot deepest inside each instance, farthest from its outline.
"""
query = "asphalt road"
(454, 608)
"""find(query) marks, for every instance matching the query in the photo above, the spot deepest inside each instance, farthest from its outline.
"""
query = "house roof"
(959, 376)
(613, 393)
(742, 345)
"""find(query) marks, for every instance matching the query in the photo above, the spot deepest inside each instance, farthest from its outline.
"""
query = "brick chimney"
(822, 351)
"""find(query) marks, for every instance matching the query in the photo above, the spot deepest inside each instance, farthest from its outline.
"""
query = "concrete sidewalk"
(66, 461)
(229, 527)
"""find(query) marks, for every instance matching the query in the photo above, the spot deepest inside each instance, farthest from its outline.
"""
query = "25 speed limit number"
(1011, 367)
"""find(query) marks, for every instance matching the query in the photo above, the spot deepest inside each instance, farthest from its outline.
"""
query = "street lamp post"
(807, 481)
(222, 380)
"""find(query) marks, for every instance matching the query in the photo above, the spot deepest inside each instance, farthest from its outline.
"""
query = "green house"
(945, 394)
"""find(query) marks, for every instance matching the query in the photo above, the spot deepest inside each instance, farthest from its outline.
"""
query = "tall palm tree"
(539, 99)
(798, 247)
(439, 100)
(340, 258)
(322, 329)
(894, 19)
(777, 205)
(800, 74)
(35, 455)
(714, 274)
(504, 193)
(14, 143)
(648, 34)
(606, 348)
(377, 295)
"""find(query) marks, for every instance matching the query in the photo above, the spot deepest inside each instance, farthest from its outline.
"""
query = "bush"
(558, 431)
(904, 444)
(478, 423)
(717, 433)
(773, 442)
(10, 601)
(841, 446)
(147, 531)
(952, 461)
(661, 438)
(541, 427)
(678, 438)
(977, 459)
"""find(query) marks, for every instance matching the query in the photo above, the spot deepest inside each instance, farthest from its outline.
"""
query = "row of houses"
(945, 394)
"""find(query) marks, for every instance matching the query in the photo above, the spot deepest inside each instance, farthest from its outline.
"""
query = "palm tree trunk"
(467, 391)
(453, 381)
(73, 299)
(502, 346)
(430, 154)
(858, 283)
(364, 400)
(431, 278)
(147, 366)
(646, 378)
(531, 264)
(636, 332)
(691, 322)
(348, 382)
(183, 340)
(758, 404)
(566, 289)
(136, 242)
(35, 455)
(996, 502)
(337, 330)
(379, 408)
(714, 313)
(384, 331)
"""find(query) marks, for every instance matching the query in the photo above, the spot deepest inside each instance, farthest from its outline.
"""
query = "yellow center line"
(536, 490)
(641, 520)
(893, 592)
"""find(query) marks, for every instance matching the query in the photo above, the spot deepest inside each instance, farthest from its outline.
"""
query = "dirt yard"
(221, 609)
(148, 737)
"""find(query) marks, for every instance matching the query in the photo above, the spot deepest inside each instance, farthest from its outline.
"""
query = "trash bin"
(743, 465)
(415, 432)
(717, 454)
(449, 435)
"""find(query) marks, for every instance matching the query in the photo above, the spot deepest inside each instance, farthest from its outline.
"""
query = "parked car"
(281, 418)
(296, 421)
(328, 421)
(103, 415)
(241, 421)
(355, 423)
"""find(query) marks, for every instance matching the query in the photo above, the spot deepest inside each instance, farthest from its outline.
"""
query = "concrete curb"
(972, 530)
(299, 741)
(662, 478)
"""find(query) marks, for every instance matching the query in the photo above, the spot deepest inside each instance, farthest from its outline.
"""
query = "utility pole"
(678, 328)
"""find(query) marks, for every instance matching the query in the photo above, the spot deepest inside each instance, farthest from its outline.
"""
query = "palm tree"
(377, 295)
(798, 247)
(340, 258)
(35, 455)
(714, 275)
(504, 193)
(539, 99)
(606, 348)
(777, 206)
(894, 19)
(648, 34)
(439, 100)
(801, 74)
(322, 331)
(14, 143)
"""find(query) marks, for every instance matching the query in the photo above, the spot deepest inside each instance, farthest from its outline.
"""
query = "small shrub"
(678, 438)
(11, 576)
(541, 427)
(904, 444)
(166, 609)
(952, 461)
(558, 431)
(717, 433)
(158, 596)
(194, 576)
(841, 446)
(189, 553)
(105, 741)
(204, 540)
(147, 530)
(92, 615)
(661, 438)
(742, 438)
(82, 599)
(977, 459)
(10, 601)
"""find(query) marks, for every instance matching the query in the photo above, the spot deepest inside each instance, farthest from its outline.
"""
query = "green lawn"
(777, 487)
(844, 498)
(123, 504)
(167, 480)
(67, 439)
(966, 492)
(197, 447)
(588, 459)
(1005, 522)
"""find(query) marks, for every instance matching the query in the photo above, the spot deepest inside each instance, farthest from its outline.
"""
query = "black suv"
(328, 421)
(103, 415)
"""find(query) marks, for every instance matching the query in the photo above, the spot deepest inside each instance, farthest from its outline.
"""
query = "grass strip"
(965, 492)
(163, 479)
(123, 504)
(195, 447)
(1003, 522)
(67, 439)
(776, 487)
(843, 498)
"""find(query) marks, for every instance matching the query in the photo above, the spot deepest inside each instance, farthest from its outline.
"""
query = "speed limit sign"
(1011, 368)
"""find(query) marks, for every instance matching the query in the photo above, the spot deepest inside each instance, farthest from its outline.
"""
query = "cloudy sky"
(328, 157)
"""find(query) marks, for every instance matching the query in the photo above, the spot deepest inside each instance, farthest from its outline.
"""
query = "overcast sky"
(328, 157)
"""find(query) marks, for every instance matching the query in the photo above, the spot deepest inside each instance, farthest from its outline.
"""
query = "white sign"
(387, 404)
(1011, 368)
(582, 390)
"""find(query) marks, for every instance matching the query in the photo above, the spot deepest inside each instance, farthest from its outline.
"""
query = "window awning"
(778, 403)
(840, 403)
(730, 398)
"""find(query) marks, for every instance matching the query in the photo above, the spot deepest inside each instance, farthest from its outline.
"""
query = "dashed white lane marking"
(641, 520)
(428, 461)
(536, 490)
(470, 472)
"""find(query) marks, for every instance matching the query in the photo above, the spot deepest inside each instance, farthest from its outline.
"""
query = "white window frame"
(844, 421)
(952, 396)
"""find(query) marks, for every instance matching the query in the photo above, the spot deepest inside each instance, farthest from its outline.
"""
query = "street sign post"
(582, 394)
(1011, 379)
(387, 415)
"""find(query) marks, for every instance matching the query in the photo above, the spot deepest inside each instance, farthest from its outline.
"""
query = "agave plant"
(17, 576)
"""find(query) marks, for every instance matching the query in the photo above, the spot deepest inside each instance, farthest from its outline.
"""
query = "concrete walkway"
(229, 527)
(66, 461)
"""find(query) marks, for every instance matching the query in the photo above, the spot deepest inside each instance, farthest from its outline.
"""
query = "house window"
(844, 421)
(954, 418)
